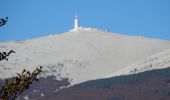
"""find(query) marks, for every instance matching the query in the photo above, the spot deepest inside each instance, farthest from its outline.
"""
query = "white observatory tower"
(76, 23)
(80, 28)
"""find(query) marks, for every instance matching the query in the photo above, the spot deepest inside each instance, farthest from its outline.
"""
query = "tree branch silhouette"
(4, 55)
(14, 86)
(3, 21)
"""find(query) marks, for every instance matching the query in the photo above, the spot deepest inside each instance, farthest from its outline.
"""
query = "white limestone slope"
(80, 56)
(157, 61)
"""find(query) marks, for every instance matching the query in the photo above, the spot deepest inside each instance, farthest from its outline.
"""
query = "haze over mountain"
(80, 56)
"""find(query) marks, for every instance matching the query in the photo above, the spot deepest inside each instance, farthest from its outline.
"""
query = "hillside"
(149, 85)
(157, 61)
(79, 56)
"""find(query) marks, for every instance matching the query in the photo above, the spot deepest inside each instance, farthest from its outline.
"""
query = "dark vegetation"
(124, 80)
(150, 85)
(11, 88)
(15, 86)
(45, 86)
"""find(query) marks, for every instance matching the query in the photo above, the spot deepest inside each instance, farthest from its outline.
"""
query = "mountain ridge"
(85, 55)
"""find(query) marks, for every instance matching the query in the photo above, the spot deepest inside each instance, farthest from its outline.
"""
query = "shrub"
(15, 86)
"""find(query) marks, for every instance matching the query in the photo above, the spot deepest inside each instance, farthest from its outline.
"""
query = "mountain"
(80, 56)
(157, 61)
(149, 85)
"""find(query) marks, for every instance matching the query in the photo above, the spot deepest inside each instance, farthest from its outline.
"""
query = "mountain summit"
(79, 55)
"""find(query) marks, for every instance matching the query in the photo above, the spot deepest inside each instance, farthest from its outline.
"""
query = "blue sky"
(35, 18)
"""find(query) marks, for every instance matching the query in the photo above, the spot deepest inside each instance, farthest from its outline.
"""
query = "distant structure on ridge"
(76, 23)
(80, 28)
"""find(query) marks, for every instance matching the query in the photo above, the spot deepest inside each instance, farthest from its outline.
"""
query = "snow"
(81, 56)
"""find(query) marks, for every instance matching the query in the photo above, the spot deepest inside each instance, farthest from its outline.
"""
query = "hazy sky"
(35, 18)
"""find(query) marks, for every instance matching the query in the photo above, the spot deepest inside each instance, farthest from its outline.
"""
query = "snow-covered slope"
(80, 56)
